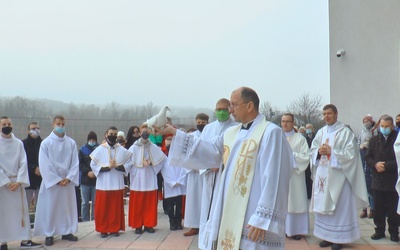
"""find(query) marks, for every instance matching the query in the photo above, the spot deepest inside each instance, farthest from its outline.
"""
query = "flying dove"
(160, 119)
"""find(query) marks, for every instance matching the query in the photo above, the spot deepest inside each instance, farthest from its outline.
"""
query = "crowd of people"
(239, 182)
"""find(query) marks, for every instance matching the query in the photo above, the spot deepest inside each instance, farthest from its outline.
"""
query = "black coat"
(381, 150)
(32, 147)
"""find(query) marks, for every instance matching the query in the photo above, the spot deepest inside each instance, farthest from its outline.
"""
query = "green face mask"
(222, 115)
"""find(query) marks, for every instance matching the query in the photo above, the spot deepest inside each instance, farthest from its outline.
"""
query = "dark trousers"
(309, 181)
(174, 209)
(385, 204)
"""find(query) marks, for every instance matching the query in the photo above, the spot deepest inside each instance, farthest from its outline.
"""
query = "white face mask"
(34, 132)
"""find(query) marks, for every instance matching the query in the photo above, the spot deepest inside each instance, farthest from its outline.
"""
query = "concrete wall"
(366, 79)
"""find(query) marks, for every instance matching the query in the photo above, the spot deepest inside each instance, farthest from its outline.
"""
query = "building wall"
(366, 79)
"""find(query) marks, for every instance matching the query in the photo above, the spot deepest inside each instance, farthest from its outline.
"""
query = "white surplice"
(56, 211)
(194, 187)
(14, 211)
(113, 179)
(174, 180)
(208, 177)
(397, 152)
(339, 185)
(144, 178)
(268, 204)
(297, 221)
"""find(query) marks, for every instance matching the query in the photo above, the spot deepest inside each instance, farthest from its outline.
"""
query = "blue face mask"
(308, 131)
(60, 130)
(385, 131)
(92, 143)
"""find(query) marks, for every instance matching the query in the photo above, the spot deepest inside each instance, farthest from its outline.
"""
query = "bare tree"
(268, 111)
(307, 108)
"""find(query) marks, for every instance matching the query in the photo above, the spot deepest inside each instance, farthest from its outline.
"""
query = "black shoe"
(325, 243)
(69, 237)
(49, 241)
(114, 234)
(179, 227)
(103, 235)
(296, 237)
(336, 246)
(394, 238)
(138, 230)
(377, 236)
(30, 244)
(4, 247)
(173, 227)
(149, 229)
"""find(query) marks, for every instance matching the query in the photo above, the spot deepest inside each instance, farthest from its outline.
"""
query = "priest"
(255, 164)
(339, 183)
(297, 222)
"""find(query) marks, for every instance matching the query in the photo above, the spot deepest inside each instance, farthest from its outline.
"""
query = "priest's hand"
(255, 233)
(168, 129)
(214, 170)
(380, 166)
(12, 186)
(325, 149)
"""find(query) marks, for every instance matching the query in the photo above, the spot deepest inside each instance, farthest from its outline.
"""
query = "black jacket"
(381, 150)
(84, 165)
(32, 147)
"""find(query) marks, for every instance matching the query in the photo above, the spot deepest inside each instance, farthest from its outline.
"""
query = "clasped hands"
(12, 186)
(325, 149)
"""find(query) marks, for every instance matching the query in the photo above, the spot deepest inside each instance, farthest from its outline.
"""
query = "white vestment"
(208, 177)
(174, 180)
(194, 187)
(56, 211)
(113, 179)
(267, 205)
(397, 152)
(14, 211)
(338, 184)
(144, 178)
(297, 222)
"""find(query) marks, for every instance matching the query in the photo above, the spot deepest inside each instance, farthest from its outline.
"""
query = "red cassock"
(142, 208)
(109, 211)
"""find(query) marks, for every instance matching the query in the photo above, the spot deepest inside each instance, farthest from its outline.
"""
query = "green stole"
(238, 193)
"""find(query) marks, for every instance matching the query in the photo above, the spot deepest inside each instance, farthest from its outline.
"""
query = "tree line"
(82, 118)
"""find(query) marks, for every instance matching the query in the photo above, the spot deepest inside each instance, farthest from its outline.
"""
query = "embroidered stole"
(321, 182)
(239, 186)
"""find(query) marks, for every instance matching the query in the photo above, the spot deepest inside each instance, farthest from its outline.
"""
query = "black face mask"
(112, 139)
(120, 140)
(398, 124)
(200, 127)
(6, 130)
(145, 135)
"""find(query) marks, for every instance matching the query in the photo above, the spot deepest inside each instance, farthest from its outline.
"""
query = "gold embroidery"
(244, 167)
(227, 151)
(229, 241)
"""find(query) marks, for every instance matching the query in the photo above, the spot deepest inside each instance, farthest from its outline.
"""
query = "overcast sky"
(177, 53)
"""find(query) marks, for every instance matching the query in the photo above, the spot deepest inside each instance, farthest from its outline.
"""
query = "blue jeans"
(88, 193)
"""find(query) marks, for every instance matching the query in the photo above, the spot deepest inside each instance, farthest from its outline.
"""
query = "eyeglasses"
(235, 105)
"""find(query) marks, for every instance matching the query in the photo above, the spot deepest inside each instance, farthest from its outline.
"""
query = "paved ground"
(165, 239)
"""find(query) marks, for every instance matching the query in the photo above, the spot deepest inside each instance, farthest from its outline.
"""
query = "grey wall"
(366, 79)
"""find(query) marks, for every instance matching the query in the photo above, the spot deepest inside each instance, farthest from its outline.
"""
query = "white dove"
(160, 119)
